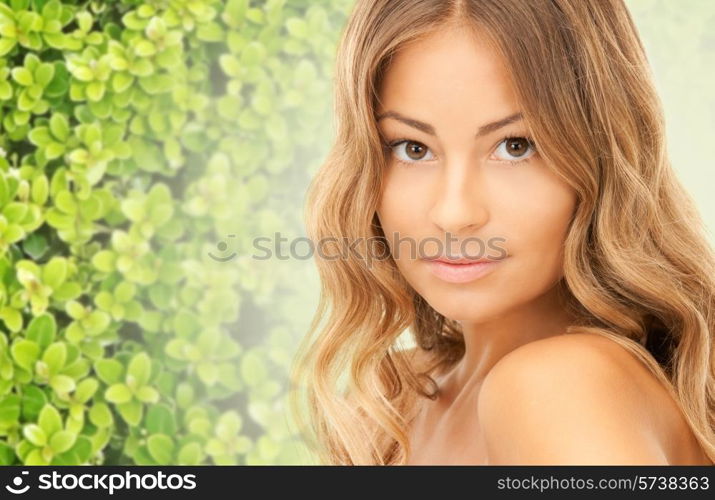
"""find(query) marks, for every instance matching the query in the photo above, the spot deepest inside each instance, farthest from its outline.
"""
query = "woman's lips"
(461, 272)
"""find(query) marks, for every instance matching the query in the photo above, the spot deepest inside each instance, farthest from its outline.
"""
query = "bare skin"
(611, 411)
(524, 393)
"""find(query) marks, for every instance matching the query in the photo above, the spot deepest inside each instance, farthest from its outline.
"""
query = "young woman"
(509, 159)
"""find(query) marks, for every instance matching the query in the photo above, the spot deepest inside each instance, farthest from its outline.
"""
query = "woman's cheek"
(402, 206)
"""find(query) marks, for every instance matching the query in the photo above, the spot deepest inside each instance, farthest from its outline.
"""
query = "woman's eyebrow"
(429, 129)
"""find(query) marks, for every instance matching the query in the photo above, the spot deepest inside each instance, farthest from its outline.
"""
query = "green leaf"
(26, 21)
(125, 291)
(40, 190)
(83, 73)
(55, 272)
(77, 367)
(255, 15)
(74, 333)
(75, 309)
(25, 353)
(42, 330)
(118, 394)
(62, 441)
(134, 209)
(144, 48)
(60, 82)
(85, 21)
(109, 371)
(52, 10)
(208, 373)
(6, 45)
(58, 219)
(13, 234)
(140, 368)
(62, 384)
(5, 87)
(121, 82)
(50, 419)
(156, 29)
(4, 194)
(235, 11)
(142, 457)
(92, 349)
(230, 65)
(9, 410)
(97, 322)
(33, 400)
(147, 394)
(54, 150)
(104, 261)
(67, 291)
(35, 457)
(55, 356)
(65, 201)
(40, 136)
(15, 212)
(78, 454)
(297, 27)
(35, 434)
(161, 448)
(86, 389)
(100, 415)
(253, 54)
(104, 300)
(131, 412)
(44, 74)
(95, 91)
(160, 419)
(59, 126)
(7, 454)
(190, 454)
(184, 394)
(228, 425)
(22, 76)
(210, 32)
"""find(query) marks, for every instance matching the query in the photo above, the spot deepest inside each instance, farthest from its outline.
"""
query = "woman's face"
(452, 175)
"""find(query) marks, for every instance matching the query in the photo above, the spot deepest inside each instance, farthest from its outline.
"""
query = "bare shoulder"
(577, 399)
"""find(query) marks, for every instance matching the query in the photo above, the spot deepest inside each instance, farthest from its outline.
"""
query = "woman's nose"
(460, 202)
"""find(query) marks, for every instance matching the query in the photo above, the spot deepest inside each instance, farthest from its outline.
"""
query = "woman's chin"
(463, 313)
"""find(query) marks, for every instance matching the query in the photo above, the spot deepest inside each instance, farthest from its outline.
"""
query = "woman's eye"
(511, 149)
(515, 149)
(411, 151)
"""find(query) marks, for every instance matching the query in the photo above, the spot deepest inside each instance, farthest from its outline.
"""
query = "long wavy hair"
(638, 267)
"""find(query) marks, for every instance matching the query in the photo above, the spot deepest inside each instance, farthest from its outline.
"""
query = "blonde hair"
(637, 265)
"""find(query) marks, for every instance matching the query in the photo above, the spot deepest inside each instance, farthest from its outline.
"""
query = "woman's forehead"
(446, 68)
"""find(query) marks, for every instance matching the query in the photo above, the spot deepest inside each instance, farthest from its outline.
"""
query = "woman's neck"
(488, 341)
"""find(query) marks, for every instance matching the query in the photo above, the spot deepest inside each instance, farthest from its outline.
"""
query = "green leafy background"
(144, 144)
